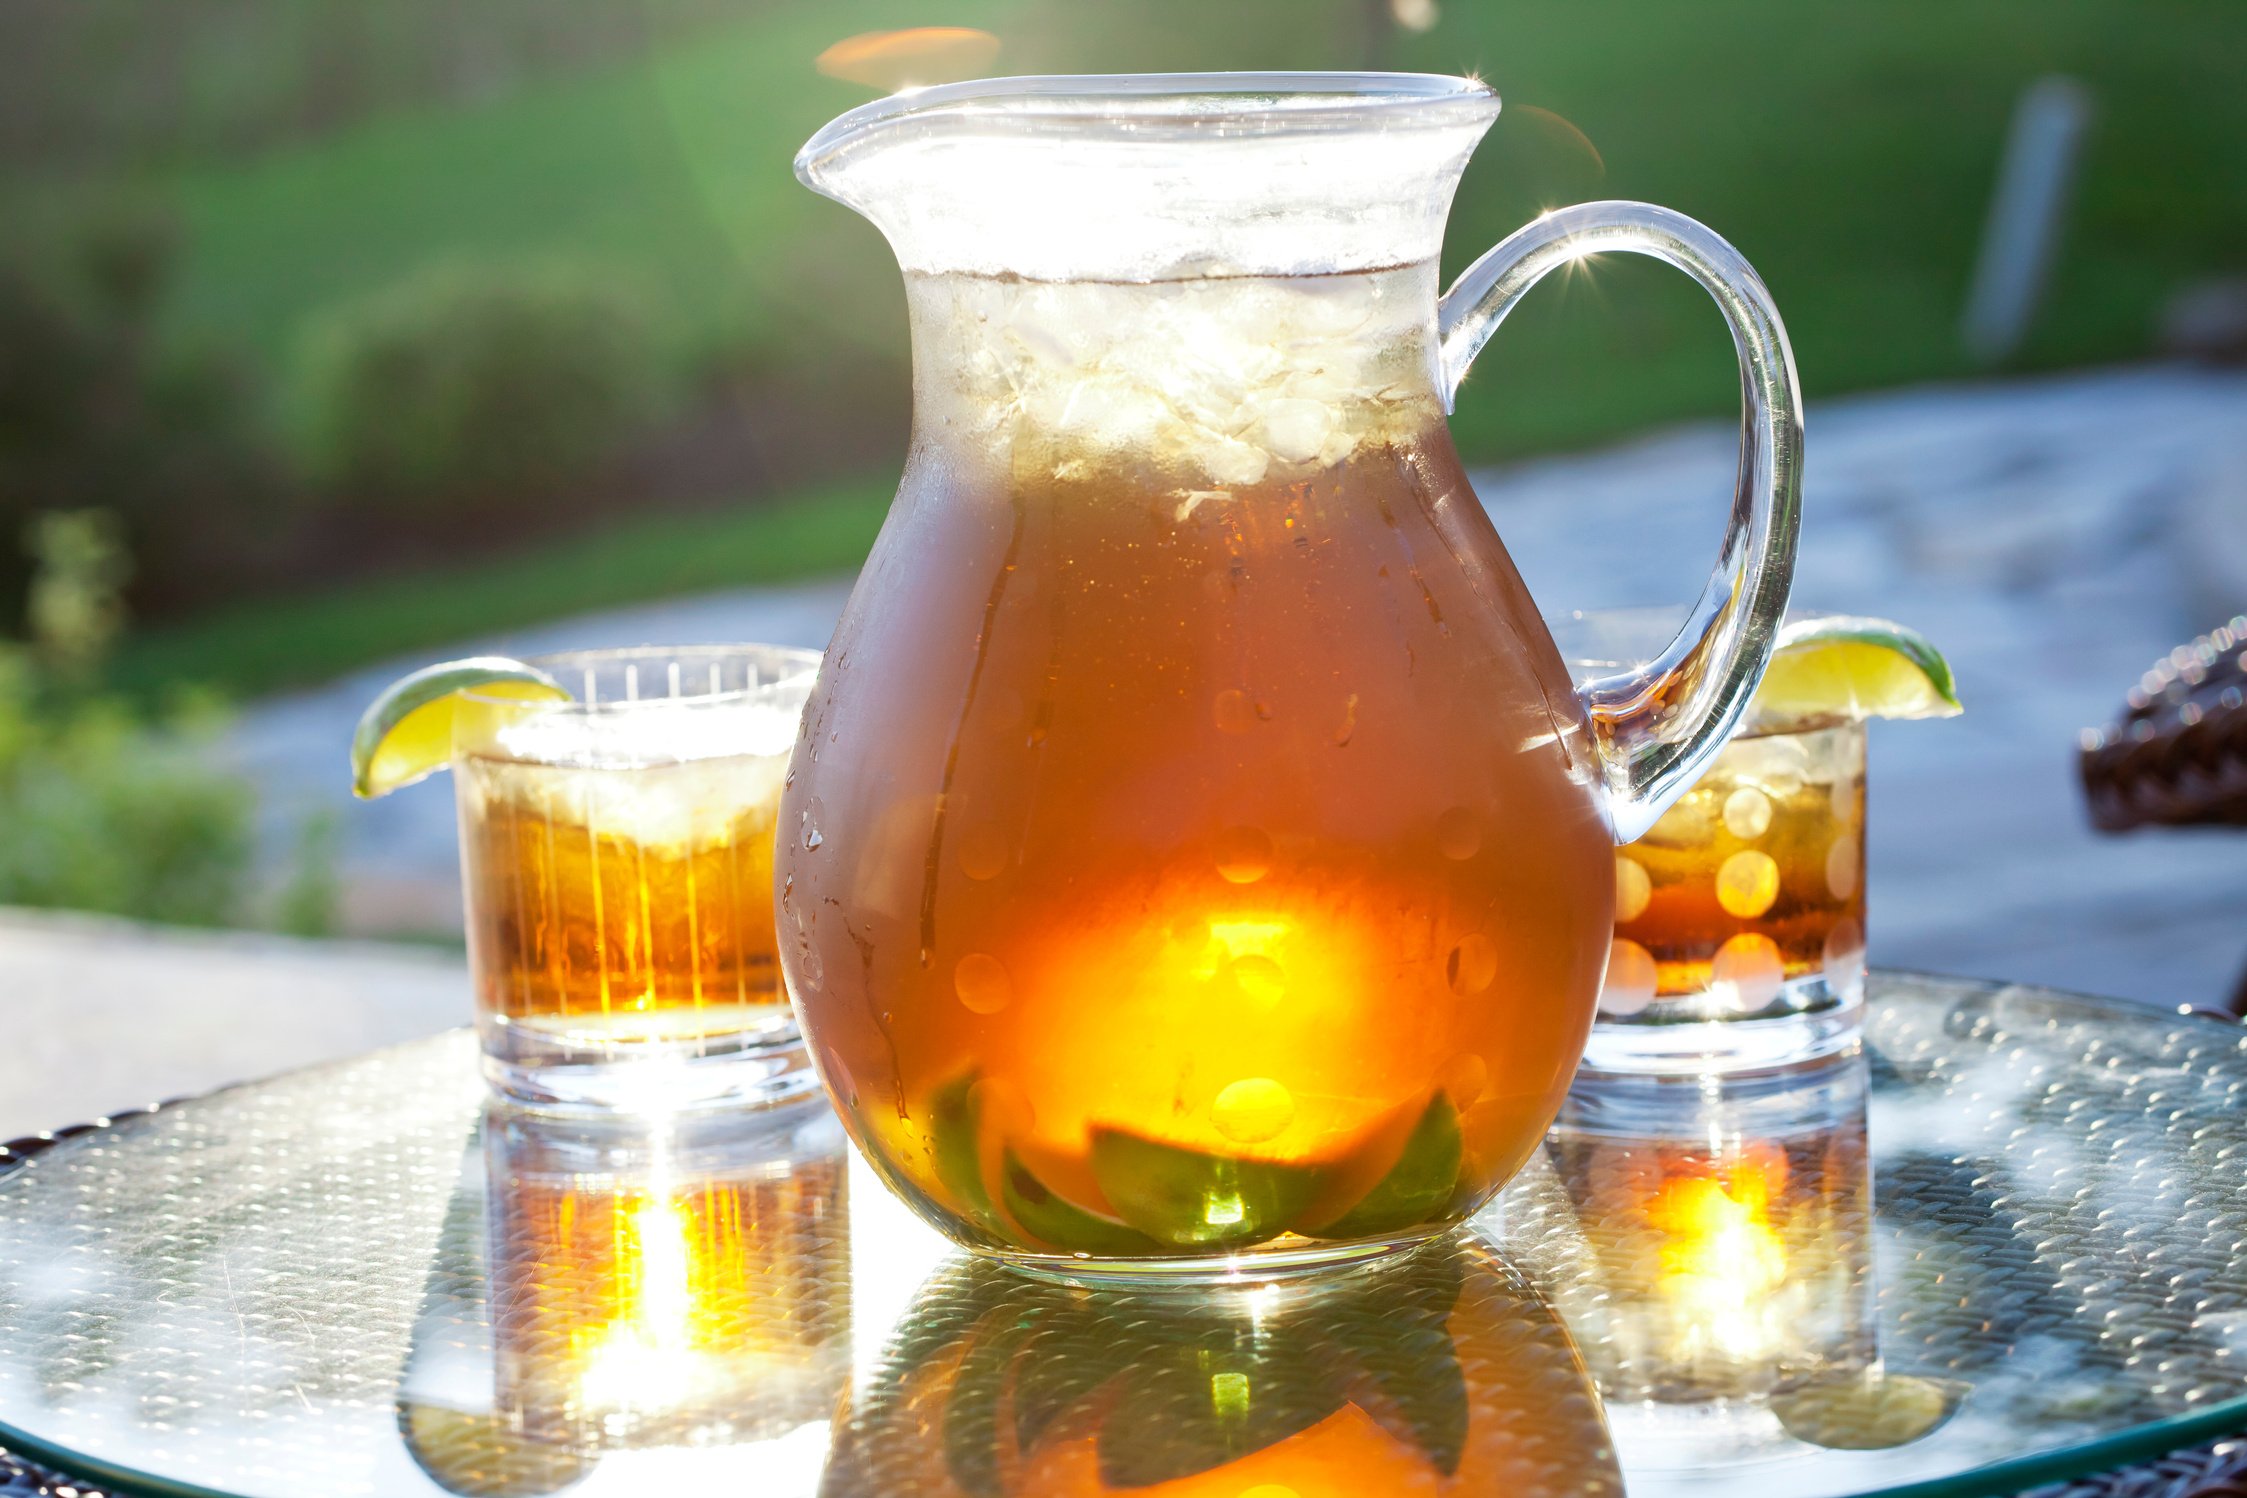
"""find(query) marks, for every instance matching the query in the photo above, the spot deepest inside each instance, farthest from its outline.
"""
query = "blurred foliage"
(260, 645)
(469, 382)
(98, 413)
(76, 608)
(101, 807)
(192, 77)
(320, 158)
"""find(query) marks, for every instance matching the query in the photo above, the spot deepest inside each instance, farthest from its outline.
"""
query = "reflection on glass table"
(2008, 1245)
(676, 1282)
(1729, 1302)
(1439, 1372)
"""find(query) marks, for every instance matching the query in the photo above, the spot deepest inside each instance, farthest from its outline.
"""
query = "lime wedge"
(406, 734)
(1187, 1199)
(1850, 668)
(1052, 1219)
(955, 1131)
(1868, 1411)
(1416, 1187)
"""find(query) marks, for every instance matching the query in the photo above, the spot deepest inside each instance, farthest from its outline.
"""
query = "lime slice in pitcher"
(406, 734)
(1848, 667)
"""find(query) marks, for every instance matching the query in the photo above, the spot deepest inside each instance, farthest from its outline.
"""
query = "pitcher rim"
(1168, 106)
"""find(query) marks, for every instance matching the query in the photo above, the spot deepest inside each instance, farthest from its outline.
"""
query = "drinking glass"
(1740, 915)
(617, 853)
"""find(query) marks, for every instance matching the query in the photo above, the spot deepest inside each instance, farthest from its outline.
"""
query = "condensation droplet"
(1845, 959)
(1002, 1108)
(1747, 972)
(982, 853)
(1258, 979)
(1843, 863)
(1747, 883)
(983, 983)
(1634, 891)
(1458, 834)
(1233, 711)
(1252, 1110)
(1472, 964)
(1747, 813)
(1244, 854)
(1465, 1078)
(1631, 979)
(1843, 798)
(812, 839)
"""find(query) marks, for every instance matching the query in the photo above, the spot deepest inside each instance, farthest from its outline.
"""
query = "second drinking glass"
(617, 852)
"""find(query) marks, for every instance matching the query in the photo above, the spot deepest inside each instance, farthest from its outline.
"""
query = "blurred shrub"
(99, 808)
(482, 382)
(91, 416)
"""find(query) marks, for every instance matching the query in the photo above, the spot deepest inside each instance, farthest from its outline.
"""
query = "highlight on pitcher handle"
(1659, 725)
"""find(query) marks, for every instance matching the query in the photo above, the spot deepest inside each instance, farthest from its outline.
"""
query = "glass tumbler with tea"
(1195, 851)
(617, 852)
(1740, 914)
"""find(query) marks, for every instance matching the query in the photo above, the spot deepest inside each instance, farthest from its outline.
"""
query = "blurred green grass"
(1847, 149)
(270, 643)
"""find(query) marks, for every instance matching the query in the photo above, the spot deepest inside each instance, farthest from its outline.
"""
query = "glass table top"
(2008, 1244)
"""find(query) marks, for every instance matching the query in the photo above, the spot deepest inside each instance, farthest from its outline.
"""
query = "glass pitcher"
(1195, 846)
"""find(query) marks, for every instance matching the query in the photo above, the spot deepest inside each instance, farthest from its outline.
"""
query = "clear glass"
(361, 1282)
(617, 853)
(1740, 915)
(1189, 723)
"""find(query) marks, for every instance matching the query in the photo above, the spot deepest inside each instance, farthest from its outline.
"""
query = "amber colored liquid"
(1166, 868)
(638, 1313)
(1756, 876)
(587, 922)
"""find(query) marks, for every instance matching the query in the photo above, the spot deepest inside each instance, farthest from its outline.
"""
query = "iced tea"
(617, 852)
(1193, 843)
(1747, 899)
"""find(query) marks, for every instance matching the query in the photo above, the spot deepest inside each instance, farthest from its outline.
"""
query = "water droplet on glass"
(1631, 979)
(1747, 972)
(1252, 1110)
(1747, 883)
(1244, 854)
(1845, 959)
(1465, 1078)
(982, 982)
(1843, 798)
(1458, 834)
(1843, 861)
(982, 852)
(1472, 964)
(1747, 813)
(1233, 711)
(1258, 979)
(1634, 891)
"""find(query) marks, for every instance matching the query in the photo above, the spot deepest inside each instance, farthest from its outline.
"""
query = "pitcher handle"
(1657, 727)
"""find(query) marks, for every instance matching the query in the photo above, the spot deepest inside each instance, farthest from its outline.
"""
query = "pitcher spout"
(1163, 177)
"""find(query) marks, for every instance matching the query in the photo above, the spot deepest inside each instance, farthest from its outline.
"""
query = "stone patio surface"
(2049, 535)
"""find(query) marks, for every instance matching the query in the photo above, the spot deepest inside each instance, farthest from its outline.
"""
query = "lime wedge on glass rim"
(406, 734)
(1846, 667)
